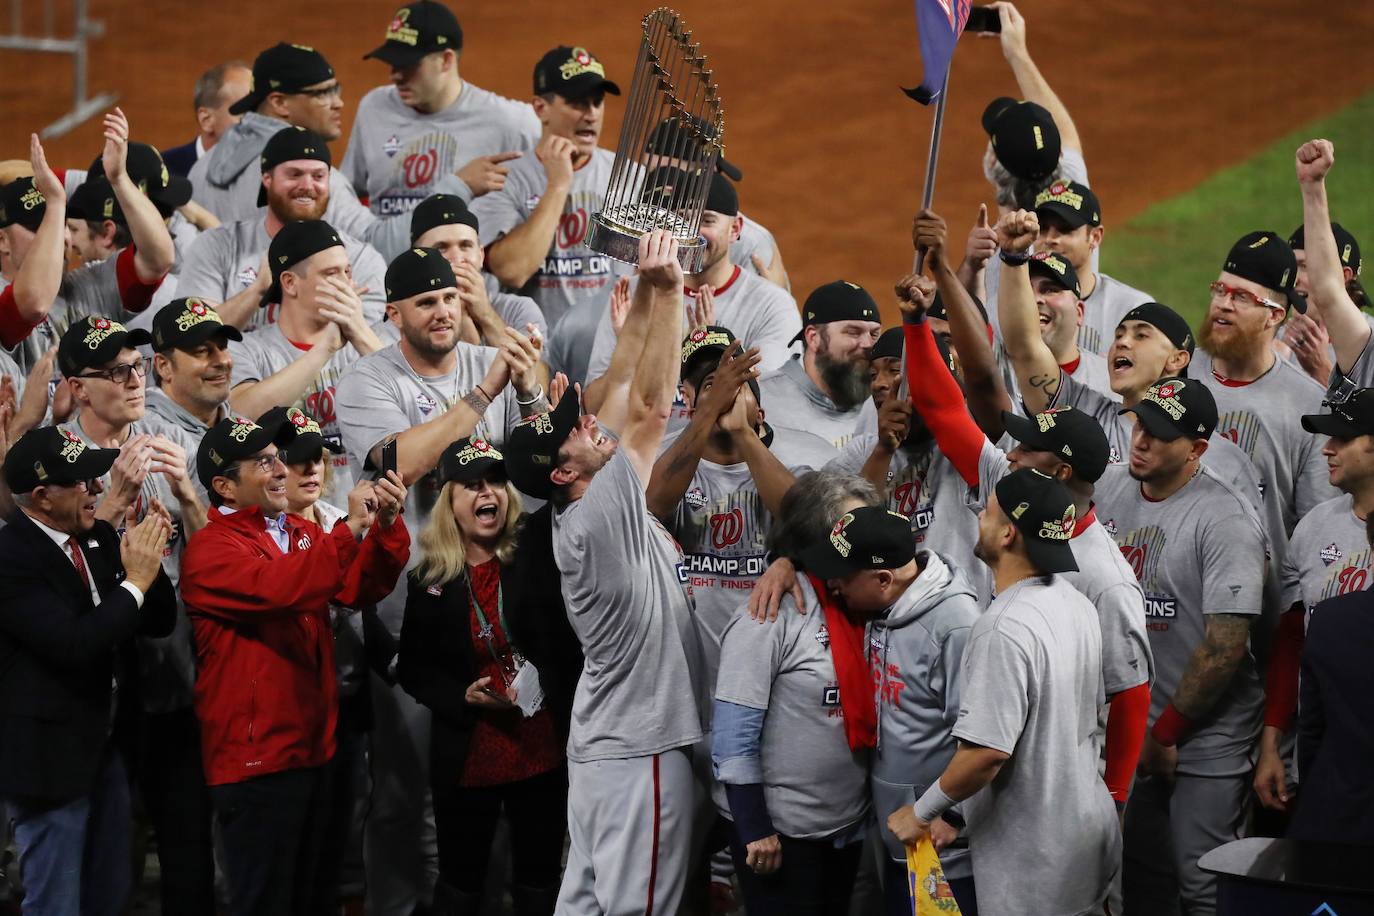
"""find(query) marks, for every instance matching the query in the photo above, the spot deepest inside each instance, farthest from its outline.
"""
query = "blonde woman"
(484, 635)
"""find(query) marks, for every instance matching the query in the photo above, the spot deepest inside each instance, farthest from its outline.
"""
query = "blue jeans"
(75, 857)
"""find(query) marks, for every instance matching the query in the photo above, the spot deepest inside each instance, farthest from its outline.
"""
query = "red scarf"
(851, 670)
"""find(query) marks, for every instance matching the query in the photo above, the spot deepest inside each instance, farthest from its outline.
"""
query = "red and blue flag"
(938, 25)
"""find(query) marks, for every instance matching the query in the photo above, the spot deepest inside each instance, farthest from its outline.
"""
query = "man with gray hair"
(217, 89)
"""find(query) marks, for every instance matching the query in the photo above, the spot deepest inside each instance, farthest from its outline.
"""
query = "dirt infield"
(832, 152)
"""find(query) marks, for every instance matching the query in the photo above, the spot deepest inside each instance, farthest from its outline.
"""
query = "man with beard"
(824, 390)
(1032, 685)
(430, 122)
(322, 331)
(425, 391)
(228, 264)
(535, 227)
(1199, 555)
(760, 314)
(1261, 399)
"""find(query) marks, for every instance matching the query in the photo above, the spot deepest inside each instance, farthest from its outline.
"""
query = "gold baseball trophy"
(673, 117)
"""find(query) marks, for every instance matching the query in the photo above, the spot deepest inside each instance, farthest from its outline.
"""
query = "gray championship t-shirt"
(224, 262)
(813, 784)
(1328, 555)
(573, 285)
(381, 395)
(758, 312)
(265, 352)
(395, 153)
(641, 691)
(792, 400)
(1032, 684)
(722, 528)
(1196, 553)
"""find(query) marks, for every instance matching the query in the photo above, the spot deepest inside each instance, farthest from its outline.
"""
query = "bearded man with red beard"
(228, 265)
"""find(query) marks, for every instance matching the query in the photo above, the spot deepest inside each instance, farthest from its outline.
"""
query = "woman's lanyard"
(485, 632)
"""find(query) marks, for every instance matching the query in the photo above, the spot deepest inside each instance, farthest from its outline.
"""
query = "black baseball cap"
(285, 68)
(1057, 268)
(292, 244)
(416, 271)
(572, 73)
(1165, 320)
(440, 210)
(188, 322)
(1024, 137)
(891, 342)
(418, 29)
(149, 173)
(1264, 258)
(1350, 419)
(472, 458)
(533, 444)
(21, 204)
(48, 455)
(870, 537)
(287, 145)
(1076, 437)
(1175, 407)
(233, 439)
(1072, 202)
(721, 196)
(92, 341)
(1042, 509)
(838, 300)
(704, 345)
(307, 440)
(1346, 246)
(94, 200)
(680, 135)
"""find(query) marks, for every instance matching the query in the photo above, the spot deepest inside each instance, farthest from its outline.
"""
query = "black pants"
(172, 785)
(815, 879)
(898, 898)
(339, 831)
(536, 809)
(273, 827)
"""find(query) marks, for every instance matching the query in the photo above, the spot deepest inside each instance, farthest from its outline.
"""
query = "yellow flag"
(930, 893)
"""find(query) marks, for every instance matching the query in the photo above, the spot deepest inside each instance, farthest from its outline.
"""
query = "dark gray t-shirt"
(814, 785)
(641, 690)
(1196, 553)
(1032, 685)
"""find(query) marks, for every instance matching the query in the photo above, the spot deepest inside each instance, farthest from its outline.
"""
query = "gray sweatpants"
(1167, 830)
(630, 835)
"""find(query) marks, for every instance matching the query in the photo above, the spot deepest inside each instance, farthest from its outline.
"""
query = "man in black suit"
(72, 594)
(216, 90)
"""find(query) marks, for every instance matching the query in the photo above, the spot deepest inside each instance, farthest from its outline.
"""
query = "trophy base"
(615, 239)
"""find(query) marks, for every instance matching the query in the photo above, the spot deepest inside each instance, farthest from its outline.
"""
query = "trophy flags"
(930, 893)
(938, 26)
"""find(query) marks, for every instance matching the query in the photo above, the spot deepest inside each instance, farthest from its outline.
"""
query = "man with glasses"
(72, 593)
(257, 586)
(107, 378)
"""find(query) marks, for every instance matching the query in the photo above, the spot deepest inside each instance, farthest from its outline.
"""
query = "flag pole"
(927, 196)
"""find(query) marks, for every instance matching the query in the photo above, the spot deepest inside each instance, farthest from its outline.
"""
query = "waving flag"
(938, 24)
(929, 891)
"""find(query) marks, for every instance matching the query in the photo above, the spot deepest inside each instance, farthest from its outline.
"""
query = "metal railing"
(83, 28)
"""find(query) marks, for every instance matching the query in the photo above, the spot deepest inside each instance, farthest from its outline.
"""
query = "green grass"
(1175, 248)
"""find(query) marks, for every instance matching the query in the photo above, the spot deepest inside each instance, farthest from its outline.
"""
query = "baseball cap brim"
(1156, 422)
(1331, 424)
(822, 561)
(1025, 431)
(249, 102)
(307, 447)
(1039, 267)
(1050, 556)
(396, 54)
(176, 195)
(1069, 215)
(198, 334)
(585, 85)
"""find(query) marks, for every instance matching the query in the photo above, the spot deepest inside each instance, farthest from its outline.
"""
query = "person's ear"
(1095, 234)
(225, 487)
(562, 476)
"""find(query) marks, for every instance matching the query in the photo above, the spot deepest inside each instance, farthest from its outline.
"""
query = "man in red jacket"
(257, 584)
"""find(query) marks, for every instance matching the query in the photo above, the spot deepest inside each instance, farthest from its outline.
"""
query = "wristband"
(534, 400)
(477, 400)
(1012, 259)
(918, 318)
(1170, 726)
(933, 803)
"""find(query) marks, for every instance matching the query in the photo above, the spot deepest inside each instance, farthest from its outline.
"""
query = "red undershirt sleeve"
(1281, 681)
(938, 399)
(1130, 712)
(14, 327)
(133, 292)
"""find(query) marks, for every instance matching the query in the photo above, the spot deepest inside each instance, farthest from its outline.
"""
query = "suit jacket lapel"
(54, 563)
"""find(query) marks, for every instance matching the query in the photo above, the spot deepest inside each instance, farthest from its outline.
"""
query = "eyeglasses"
(119, 374)
(88, 486)
(1243, 297)
(265, 463)
(323, 94)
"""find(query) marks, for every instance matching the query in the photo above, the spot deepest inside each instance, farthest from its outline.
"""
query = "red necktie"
(80, 562)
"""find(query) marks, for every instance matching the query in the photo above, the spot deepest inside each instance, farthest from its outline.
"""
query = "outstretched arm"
(154, 252)
(1037, 371)
(1345, 323)
(1034, 87)
(37, 281)
(651, 393)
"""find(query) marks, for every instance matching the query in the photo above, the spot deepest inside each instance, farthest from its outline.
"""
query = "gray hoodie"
(226, 182)
(914, 652)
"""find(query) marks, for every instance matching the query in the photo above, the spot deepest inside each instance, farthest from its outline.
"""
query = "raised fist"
(1314, 159)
